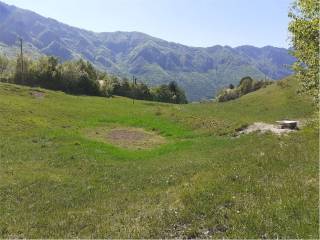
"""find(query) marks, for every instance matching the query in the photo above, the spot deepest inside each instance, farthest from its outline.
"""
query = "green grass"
(55, 182)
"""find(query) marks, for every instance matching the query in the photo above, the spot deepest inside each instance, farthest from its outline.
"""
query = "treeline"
(81, 78)
(246, 85)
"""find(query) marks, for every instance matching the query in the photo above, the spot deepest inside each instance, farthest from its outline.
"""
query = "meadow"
(57, 180)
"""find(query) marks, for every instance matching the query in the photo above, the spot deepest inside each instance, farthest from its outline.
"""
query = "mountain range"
(201, 72)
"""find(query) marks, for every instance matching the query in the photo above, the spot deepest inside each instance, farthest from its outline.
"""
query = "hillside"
(200, 71)
(67, 169)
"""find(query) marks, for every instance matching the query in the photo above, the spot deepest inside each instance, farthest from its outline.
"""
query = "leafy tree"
(173, 87)
(109, 85)
(19, 76)
(123, 88)
(86, 85)
(246, 85)
(80, 77)
(44, 73)
(304, 28)
(69, 76)
(169, 93)
(228, 94)
(162, 94)
(142, 92)
(4, 62)
(88, 68)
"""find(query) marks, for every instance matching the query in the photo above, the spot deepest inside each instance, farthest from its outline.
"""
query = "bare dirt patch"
(127, 135)
(37, 94)
(264, 127)
(129, 138)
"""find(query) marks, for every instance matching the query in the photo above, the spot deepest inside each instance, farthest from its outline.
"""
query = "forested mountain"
(200, 71)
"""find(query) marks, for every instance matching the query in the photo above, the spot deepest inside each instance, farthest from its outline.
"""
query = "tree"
(70, 75)
(109, 85)
(44, 73)
(304, 28)
(245, 85)
(169, 93)
(142, 92)
(86, 85)
(162, 93)
(19, 76)
(173, 87)
(4, 62)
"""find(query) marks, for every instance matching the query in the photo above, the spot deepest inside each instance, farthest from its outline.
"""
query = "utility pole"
(134, 84)
(21, 59)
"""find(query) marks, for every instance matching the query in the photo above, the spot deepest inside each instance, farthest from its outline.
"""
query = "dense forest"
(81, 78)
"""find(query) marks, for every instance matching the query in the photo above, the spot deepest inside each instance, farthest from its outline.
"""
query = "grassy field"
(58, 181)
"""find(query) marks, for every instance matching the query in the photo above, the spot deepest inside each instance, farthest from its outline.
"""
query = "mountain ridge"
(201, 71)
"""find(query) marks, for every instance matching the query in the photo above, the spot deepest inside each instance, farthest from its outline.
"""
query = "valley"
(201, 72)
(59, 179)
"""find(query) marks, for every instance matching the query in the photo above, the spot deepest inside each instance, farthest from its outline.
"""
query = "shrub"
(246, 85)
(169, 93)
(228, 94)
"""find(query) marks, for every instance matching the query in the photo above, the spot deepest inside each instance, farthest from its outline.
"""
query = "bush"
(228, 94)
(170, 93)
(246, 85)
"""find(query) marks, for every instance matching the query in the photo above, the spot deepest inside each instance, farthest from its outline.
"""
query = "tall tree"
(3, 64)
(304, 28)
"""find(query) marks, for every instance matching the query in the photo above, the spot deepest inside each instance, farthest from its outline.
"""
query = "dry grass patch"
(37, 94)
(125, 137)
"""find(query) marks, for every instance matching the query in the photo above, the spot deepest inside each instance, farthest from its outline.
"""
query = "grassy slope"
(55, 182)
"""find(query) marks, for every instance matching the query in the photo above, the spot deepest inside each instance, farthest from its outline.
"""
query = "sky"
(199, 23)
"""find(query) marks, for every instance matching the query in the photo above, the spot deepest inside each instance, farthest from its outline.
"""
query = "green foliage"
(44, 73)
(246, 85)
(304, 28)
(228, 94)
(169, 93)
(4, 62)
(142, 92)
(21, 72)
(76, 77)
(80, 77)
(108, 85)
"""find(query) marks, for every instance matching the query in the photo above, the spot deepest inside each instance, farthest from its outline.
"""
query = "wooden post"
(133, 89)
(134, 84)
(21, 59)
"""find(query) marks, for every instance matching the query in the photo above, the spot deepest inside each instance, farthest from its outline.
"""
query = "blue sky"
(199, 23)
